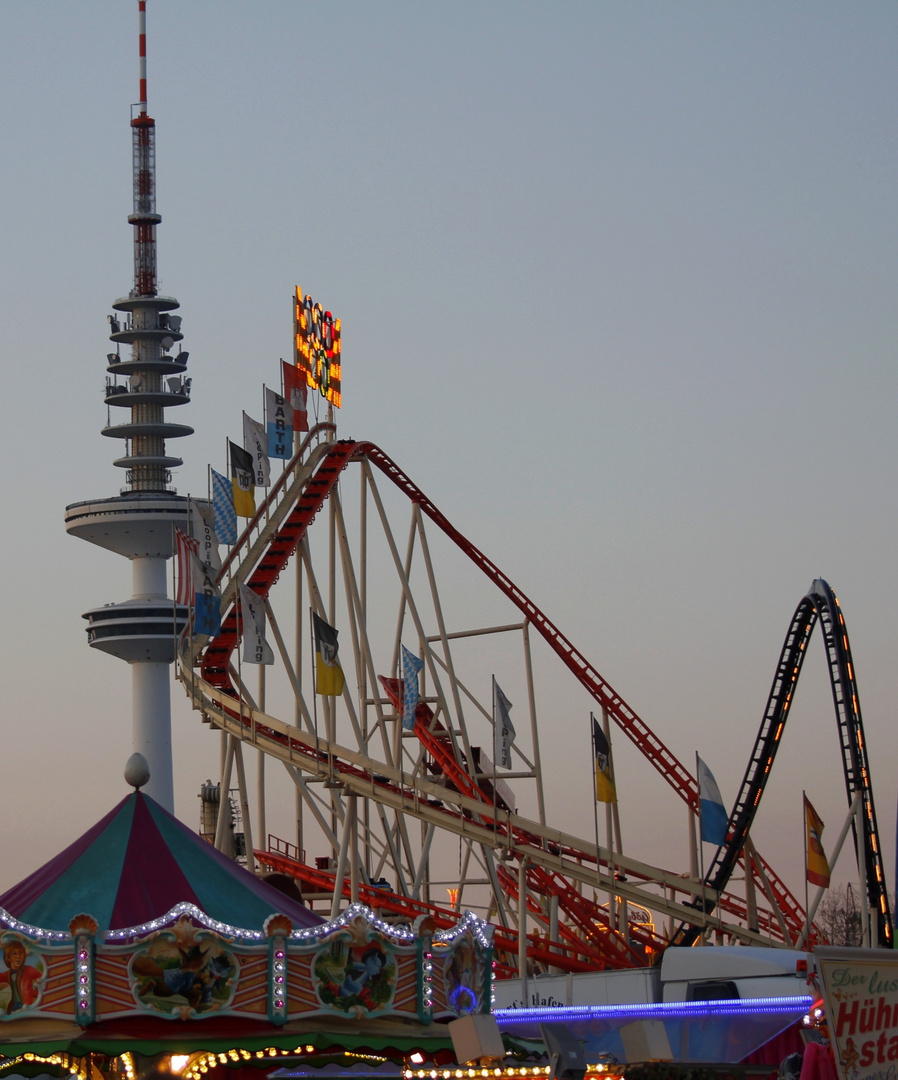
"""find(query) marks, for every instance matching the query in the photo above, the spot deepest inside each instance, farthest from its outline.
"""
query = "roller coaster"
(389, 803)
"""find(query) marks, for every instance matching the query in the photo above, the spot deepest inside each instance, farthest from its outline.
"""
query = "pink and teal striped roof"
(134, 865)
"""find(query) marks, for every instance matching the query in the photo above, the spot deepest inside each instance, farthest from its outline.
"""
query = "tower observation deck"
(142, 383)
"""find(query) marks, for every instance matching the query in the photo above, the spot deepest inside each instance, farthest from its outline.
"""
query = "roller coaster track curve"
(820, 604)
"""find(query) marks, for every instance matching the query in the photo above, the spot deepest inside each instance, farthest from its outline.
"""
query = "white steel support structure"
(381, 810)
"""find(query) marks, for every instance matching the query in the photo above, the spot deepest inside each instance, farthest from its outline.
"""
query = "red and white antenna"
(144, 218)
(142, 18)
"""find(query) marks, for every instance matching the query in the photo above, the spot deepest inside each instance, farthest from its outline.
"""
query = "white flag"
(203, 527)
(503, 729)
(255, 442)
(256, 649)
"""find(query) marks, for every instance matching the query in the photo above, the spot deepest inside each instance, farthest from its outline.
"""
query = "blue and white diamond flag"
(411, 665)
(223, 506)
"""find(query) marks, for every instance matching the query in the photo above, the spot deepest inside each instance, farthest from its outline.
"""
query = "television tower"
(139, 522)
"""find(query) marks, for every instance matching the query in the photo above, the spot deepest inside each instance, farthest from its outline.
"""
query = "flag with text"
(278, 425)
(255, 442)
(256, 649)
(203, 527)
(503, 729)
(206, 599)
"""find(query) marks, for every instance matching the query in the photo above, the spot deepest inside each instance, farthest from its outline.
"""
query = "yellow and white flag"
(329, 678)
(605, 789)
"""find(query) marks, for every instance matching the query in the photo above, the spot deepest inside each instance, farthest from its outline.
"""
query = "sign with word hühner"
(860, 990)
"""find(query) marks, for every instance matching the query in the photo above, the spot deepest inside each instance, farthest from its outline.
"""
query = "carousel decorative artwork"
(22, 974)
(356, 979)
(184, 970)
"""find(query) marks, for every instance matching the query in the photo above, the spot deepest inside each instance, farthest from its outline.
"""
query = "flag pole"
(495, 763)
(314, 680)
(807, 905)
(612, 825)
(174, 593)
(701, 850)
(595, 818)
(192, 591)
(690, 838)
(850, 819)
(298, 804)
(612, 817)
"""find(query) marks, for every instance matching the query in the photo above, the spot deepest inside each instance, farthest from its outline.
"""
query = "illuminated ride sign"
(317, 347)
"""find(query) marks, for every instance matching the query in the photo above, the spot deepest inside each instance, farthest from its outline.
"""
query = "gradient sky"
(617, 286)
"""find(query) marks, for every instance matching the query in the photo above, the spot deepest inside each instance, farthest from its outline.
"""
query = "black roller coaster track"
(819, 604)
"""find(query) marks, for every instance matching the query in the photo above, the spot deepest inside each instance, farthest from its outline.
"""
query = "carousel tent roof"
(135, 865)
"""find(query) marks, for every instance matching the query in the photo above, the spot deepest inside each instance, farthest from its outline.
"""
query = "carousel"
(140, 950)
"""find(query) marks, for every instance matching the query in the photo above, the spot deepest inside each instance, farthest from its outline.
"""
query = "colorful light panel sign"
(317, 347)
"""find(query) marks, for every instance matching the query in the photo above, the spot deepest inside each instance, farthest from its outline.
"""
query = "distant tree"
(839, 918)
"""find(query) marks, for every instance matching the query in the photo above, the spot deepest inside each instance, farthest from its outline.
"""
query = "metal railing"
(273, 509)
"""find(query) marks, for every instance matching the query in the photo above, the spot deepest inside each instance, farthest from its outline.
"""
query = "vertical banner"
(278, 424)
(206, 600)
(605, 789)
(329, 677)
(255, 442)
(296, 394)
(184, 546)
(256, 649)
(860, 989)
(242, 487)
(713, 816)
(503, 729)
(411, 665)
(818, 871)
(225, 517)
(203, 527)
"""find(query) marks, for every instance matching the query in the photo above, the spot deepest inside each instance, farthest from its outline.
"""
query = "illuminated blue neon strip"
(660, 1011)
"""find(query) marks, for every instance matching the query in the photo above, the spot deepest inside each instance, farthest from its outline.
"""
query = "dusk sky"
(617, 284)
